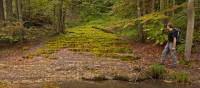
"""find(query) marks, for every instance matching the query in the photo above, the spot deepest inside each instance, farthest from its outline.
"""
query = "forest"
(99, 43)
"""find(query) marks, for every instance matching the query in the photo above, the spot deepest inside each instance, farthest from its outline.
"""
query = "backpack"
(178, 36)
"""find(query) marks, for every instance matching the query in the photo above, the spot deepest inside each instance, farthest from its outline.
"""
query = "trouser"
(168, 50)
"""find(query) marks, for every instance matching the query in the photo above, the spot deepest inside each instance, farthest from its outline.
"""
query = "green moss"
(4, 85)
(86, 39)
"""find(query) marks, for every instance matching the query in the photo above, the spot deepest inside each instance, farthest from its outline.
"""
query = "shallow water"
(108, 84)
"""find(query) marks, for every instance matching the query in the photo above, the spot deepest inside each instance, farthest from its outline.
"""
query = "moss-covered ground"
(89, 39)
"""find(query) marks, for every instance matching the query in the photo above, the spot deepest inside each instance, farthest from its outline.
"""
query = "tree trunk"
(29, 9)
(61, 17)
(162, 5)
(20, 20)
(152, 5)
(139, 25)
(190, 29)
(173, 4)
(167, 5)
(9, 9)
(138, 9)
(143, 7)
(19, 10)
(2, 16)
(54, 18)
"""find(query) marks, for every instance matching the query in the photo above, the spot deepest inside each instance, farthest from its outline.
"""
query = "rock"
(27, 81)
(121, 78)
(167, 81)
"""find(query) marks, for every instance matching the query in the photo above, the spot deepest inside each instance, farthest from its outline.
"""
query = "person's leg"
(165, 52)
(173, 54)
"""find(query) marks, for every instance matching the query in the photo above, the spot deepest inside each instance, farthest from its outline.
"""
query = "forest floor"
(63, 59)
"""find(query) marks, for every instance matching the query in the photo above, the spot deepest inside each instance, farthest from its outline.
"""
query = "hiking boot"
(173, 66)
(162, 64)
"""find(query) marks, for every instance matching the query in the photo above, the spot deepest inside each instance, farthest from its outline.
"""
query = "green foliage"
(181, 48)
(157, 71)
(10, 33)
(180, 21)
(13, 33)
(186, 63)
(129, 32)
(125, 8)
(197, 35)
(93, 9)
(181, 77)
(155, 31)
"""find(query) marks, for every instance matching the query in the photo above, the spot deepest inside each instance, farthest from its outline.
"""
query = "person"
(170, 47)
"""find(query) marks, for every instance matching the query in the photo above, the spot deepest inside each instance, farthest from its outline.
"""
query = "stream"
(108, 84)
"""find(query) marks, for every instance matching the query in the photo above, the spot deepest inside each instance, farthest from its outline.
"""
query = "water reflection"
(110, 84)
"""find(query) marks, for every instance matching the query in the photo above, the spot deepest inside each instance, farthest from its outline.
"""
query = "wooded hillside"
(133, 31)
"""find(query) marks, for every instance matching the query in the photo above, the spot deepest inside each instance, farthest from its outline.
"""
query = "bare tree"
(19, 10)
(143, 7)
(20, 20)
(140, 12)
(61, 16)
(2, 16)
(9, 9)
(152, 5)
(190, 29)
(162, 4)
(173, 4)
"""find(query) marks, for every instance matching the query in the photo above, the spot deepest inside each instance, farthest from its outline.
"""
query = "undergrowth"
(180, 77)
(157, 71)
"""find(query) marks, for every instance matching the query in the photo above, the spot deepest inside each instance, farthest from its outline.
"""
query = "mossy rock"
(96, 78)
(121, 78)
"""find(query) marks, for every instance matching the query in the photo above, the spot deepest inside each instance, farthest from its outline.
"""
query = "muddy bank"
(105, 84)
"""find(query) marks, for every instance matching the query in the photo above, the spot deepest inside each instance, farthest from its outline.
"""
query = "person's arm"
(174, 44)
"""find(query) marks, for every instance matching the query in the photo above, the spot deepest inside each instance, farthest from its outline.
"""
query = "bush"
(157, 71)
(180, 77)
(197, 36)
(186, 63)
(130, 32)
(11, 32)
(181, 48)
